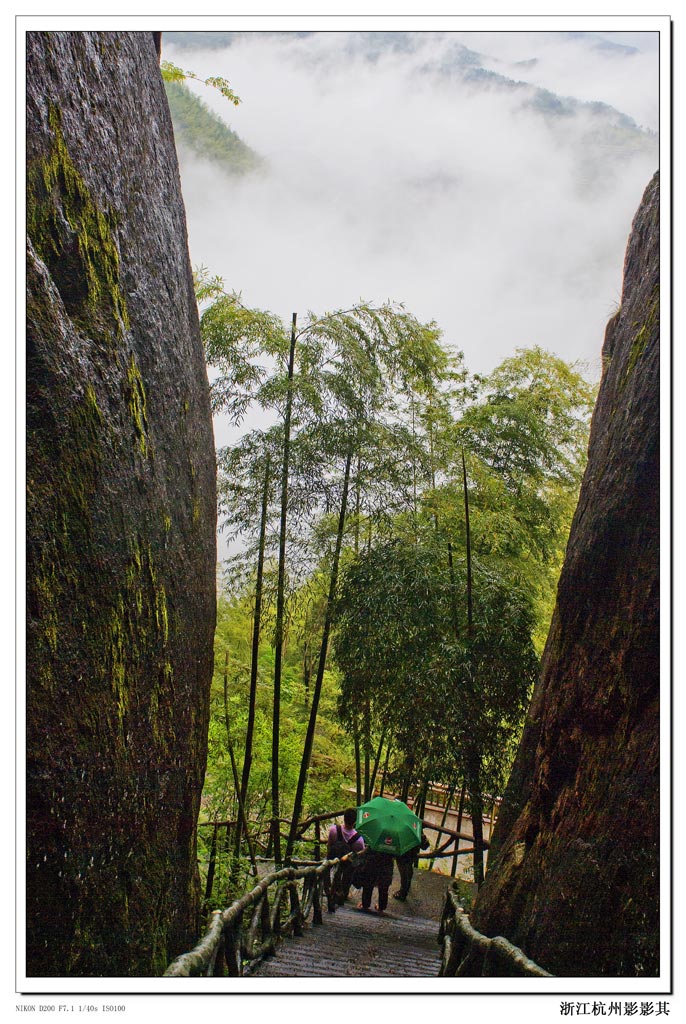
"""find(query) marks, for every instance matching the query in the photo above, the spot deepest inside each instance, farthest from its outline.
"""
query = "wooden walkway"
(353, 944)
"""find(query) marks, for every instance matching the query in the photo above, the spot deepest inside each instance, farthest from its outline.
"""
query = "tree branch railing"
(469, 954)
(311, 835)
(315, 821)
(231, 948)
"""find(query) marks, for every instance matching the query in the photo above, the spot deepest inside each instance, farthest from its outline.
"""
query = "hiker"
(377, 873)
(406, 865)
(341, 841)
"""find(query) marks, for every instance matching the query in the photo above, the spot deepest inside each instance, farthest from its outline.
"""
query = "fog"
(393, 177)
(588, 66)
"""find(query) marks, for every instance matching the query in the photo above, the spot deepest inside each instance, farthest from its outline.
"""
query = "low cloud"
(398, 178)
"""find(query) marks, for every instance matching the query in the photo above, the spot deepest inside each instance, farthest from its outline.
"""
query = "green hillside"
(200, 130)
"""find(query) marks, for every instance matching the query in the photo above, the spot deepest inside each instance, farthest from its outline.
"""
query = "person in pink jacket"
(343, 839)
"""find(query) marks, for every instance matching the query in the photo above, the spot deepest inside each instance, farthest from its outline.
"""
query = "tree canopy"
(401, 526)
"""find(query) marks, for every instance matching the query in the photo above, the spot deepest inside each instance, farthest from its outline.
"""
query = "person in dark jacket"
(378, 873)
(406, 865)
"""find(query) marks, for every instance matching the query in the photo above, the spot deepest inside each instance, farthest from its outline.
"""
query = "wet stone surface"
(401, 943)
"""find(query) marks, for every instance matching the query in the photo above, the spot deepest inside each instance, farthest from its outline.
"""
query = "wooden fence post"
(211, 866)
(317, 839)
(458, 828)
(296, 911)
(317, 901)
(233, 934)
(216, 966)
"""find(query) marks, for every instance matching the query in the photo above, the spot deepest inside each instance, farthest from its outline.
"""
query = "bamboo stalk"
(377, 759)
(234, 769)
(451, 793)
(254, 658)
(280, 596)
(211, 867)
(358, 762)
(309, 736)
(385, 767)
(460, 812)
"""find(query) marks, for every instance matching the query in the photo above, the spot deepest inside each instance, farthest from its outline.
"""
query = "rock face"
(573, 876)
(120, 517)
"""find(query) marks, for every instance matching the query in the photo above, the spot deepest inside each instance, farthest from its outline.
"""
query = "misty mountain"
(487, 180)
(467, 67)
(206, 134)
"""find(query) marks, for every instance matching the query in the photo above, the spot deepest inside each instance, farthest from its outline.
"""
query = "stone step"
(353, 944)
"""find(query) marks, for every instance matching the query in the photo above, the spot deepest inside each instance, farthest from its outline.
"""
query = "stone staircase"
(354, 944)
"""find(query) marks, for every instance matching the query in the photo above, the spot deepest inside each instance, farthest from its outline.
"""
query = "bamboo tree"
(323, 651)
(254, 658)
(358, 762)
(476, 811)
(385, 766)
(377, 761)
(351, 350)
(453, 600)
(458, 826)
(367, 751)
(470, 614)
(407, 779)
(473, 756)
(444, 818)
(366, 349)
(420, 801)
(356, 533)
(243, 824)
(280, 601)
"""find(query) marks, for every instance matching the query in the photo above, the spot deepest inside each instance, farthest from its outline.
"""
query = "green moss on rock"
(75, 239)
(119, 647)
(642, 336)
(136, 401)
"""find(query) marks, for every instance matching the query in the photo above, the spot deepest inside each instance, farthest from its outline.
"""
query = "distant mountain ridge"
(457, 61)
(602, 133)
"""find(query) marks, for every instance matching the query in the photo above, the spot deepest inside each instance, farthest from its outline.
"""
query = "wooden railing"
(229, 947)
(232, 947)
(469, 954)
(312, 837)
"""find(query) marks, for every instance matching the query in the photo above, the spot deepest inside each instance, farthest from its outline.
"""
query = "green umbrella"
(388, 826)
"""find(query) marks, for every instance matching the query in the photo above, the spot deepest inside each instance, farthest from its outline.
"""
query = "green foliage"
(466, 893)
(172, 73)
(205, 285)
(403, 645)
(76, 239)
(332, 755)
(525, 434)
(343, 399)
(530, 422)
(205, 133)
(441, 693)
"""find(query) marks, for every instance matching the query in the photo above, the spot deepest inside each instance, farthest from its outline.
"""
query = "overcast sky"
(388, 179)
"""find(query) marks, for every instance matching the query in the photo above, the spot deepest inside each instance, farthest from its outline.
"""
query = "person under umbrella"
(406, 865)
(377, 873)
(390, 829)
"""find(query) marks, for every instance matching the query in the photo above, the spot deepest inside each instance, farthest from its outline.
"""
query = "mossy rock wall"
(120, 517)
(574, 868)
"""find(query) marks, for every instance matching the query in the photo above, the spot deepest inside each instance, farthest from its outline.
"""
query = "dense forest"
(399, 526)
